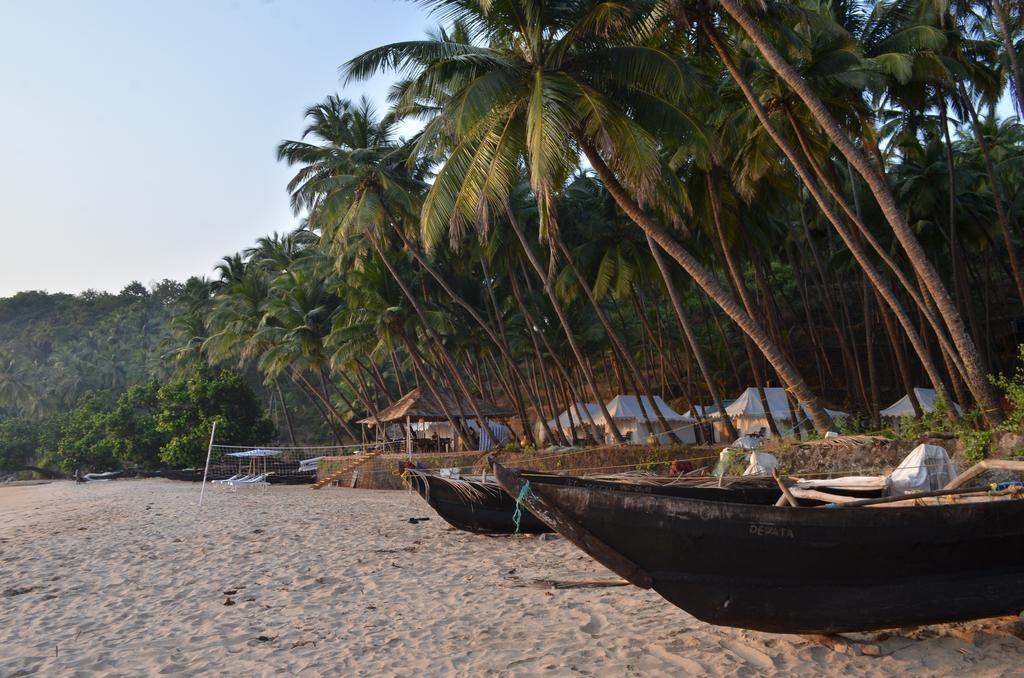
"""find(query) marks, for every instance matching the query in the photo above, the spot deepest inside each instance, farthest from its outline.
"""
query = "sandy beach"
(131, 578)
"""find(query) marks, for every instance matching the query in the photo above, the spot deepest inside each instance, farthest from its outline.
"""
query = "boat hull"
(489, 511)
(797, 570)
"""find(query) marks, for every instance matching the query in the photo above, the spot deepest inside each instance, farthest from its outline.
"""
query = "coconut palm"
(537, 83)
(967, 352)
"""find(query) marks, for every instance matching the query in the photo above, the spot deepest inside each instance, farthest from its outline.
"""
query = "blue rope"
(518, 515)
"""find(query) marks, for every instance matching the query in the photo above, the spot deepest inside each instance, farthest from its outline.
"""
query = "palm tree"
(357, 183)
(537, 84)
(916, 255)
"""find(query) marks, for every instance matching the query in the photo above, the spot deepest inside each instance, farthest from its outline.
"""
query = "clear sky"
(137, 137)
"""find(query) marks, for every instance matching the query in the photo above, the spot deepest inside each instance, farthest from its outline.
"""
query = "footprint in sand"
(685, 664)
(749, 654)
(597, 622)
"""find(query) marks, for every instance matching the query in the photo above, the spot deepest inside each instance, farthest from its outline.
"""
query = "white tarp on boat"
(903, 408)
(761, 464)
(926, 468)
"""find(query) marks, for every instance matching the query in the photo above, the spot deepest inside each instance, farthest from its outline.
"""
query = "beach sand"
(130, 577)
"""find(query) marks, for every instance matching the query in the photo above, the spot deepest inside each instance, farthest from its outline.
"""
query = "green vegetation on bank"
(148, 426)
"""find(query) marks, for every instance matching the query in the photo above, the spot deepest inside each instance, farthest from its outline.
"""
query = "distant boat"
(473, 505)
(482, 507)
(741, 561)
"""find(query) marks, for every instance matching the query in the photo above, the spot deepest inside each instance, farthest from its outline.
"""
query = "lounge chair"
(249, 481)
(225, 481)
(308, 465)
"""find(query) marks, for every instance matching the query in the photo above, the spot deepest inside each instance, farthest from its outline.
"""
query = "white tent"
(706, 411)
(630, 419)
(578, 416)
(903, 408)
(747, 412)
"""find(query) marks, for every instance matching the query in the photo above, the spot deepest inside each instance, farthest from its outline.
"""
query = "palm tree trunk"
(854, 243)
(375, 377)
(1011, 52)
(515, 377)
(438, 343)
(362, 392)
(313, 397)
(869, 350)
(740, 288)
(825, 206)
(398, 373)
(324, 398)
(284, 408)
(454, 296)
(821, 361)
(899, 355)
(954, 255)
(709, 312)
(420, 367)
(997, 192)
(977, 379)
(636, 375)
(532, 325)
(570, 337)
(691, 340)
(707, 282)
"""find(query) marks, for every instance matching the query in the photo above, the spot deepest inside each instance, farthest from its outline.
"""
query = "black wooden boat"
(744, 562)
(473, 505)
(476, 506)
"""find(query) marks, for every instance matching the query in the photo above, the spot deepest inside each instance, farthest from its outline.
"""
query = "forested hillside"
(92, 380)
(55, 347)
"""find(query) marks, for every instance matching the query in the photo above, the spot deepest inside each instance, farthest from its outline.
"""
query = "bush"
(19, 440)
(188, 408)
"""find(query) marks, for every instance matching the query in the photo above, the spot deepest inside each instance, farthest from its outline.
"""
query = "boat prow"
(473, 505)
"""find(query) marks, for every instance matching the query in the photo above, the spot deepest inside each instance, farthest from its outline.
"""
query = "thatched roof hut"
(421, 405)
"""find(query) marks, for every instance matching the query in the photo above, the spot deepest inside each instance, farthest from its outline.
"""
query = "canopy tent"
(707, 411)
(925, 396)
(252, 456)
(254, 453)
(578, 416)
(637, 423)
(747, 413)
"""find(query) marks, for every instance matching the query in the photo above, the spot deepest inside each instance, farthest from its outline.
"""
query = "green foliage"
(939, 419)
(1013, 391)
(55, 347)
(19, 440)
(131, 426)
(188, 408)
(975, 440)
(975, 443)
(84, 442)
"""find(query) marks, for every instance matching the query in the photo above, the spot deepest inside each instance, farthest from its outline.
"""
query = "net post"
(206, 469)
